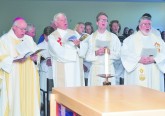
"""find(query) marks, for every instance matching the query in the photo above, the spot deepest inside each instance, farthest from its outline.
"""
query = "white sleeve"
(115, 48)
(128, 57)
(83, 49)
(61, 53)
(6, 60)
(6, 64)
(90, 55)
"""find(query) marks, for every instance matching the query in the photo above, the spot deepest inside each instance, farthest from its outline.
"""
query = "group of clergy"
(142, 55)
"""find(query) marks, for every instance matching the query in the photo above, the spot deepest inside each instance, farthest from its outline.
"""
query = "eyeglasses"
(146, 24)
(103, 20)
(22, 29)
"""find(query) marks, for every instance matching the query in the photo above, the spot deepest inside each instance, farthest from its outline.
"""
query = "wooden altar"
(117, 100)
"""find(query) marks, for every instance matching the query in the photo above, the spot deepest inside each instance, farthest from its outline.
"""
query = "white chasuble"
(150, 75)
(97, 40)
(65, 59)
(20, 85)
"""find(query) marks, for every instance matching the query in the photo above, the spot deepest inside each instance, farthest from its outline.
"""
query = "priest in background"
(19, 80)
(31, 31)
(142, 69)
(98, 41)
(65, 49)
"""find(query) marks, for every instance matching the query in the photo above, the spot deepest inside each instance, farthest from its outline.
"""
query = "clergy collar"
(45, 41)
(77, 33)
(11, 32)
(62, 32)
(101, 33)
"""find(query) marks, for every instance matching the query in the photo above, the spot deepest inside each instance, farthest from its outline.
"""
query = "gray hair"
(58, 15)
(15, 23)
(29, 27)
(144, 18)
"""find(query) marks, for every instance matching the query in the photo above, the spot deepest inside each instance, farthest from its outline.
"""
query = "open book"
(83, 37)
(26, 55)
(72, 38)
(149, 52)
(26, 49)
(100, 43)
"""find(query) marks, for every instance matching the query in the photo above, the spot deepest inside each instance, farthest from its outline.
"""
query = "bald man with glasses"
(19, 80)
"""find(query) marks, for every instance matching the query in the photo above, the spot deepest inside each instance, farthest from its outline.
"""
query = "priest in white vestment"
(65, 51)
(19, 79)
(143, 56)
(45, 68)
(100, 40)
(79, 30)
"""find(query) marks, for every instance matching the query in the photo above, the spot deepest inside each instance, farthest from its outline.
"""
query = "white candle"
(106, 68)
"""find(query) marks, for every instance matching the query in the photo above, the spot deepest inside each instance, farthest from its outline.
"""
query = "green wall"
(40, 13)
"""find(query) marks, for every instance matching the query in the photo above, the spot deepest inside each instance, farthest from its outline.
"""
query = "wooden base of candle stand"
(106, 76)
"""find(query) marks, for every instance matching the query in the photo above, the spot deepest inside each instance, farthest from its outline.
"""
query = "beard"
(146, 32)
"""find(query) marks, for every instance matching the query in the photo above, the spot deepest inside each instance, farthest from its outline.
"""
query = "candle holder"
(106, 76)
